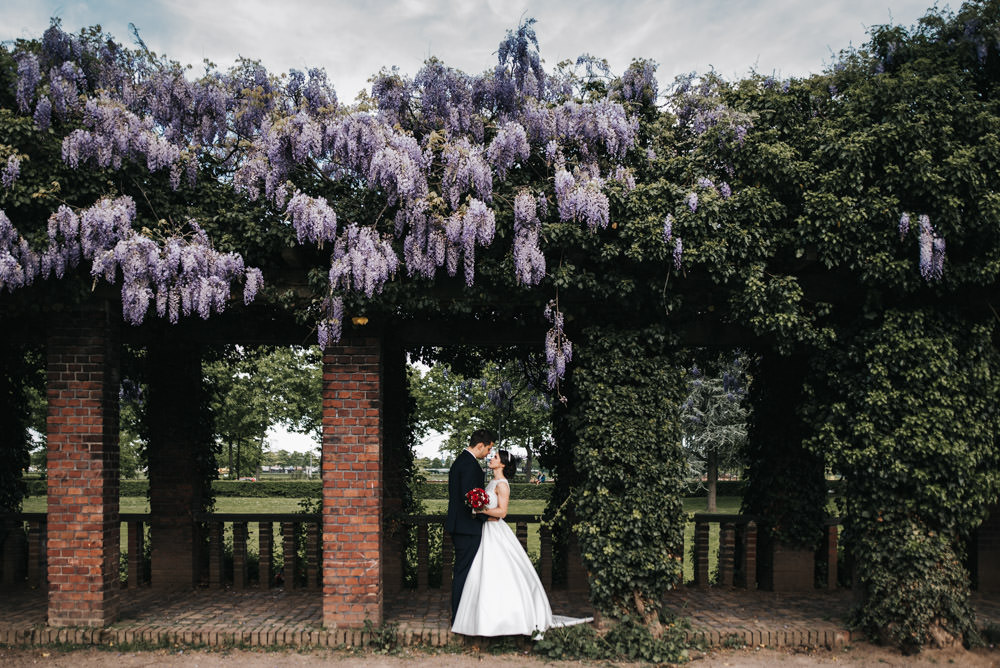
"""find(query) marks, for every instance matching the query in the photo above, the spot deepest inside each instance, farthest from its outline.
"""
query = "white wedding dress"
(503, 595)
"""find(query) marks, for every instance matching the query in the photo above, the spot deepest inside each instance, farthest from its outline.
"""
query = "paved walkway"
(277, 617)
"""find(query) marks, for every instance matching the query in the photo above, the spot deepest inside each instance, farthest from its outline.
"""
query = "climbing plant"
(630, 468)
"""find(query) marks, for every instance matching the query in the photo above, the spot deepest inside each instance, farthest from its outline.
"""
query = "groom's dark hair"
(482, 436)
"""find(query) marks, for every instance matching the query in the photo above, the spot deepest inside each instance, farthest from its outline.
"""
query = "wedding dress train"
(503, 595)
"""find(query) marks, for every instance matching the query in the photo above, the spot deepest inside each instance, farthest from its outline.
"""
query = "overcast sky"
(353, 40)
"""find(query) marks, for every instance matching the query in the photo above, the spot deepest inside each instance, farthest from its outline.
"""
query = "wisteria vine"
(435, 147)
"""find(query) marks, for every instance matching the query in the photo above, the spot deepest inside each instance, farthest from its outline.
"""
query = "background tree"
(506, 396)
(714, 420)
(254, 388)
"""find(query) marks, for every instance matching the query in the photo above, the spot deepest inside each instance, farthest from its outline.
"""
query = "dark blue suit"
(465, 529)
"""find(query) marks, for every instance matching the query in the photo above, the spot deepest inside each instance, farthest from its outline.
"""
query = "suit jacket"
(465, 474)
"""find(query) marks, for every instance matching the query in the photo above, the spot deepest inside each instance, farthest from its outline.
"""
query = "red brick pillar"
(83, 529)
(352, 484)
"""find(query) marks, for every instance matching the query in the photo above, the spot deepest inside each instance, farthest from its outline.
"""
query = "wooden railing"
(299, 537)
(738, 550)
(422, 527)
(23, 550)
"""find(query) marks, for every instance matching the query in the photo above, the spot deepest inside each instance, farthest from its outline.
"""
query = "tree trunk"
(230, 459)
(238, 443)
(713, 480)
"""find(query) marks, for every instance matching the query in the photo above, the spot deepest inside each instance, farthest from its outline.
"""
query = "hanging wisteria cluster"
(181, 275)
(931, 245)
(434, 147)
(558, 348)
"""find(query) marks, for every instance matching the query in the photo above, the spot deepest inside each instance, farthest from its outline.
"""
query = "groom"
(466, 529)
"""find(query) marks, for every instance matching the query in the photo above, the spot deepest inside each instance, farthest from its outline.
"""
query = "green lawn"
(228, 504)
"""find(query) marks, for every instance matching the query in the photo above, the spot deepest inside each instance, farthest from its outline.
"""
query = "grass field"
(132, 504)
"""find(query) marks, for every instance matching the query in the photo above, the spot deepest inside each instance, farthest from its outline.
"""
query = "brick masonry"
(174, 403)
(353, 486)
(83, 459)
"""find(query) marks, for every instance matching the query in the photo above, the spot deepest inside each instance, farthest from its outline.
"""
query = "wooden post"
(265, 538)
(447, 561)
(423, 556)
(727, 545)
(522, 535)
(239, 555)
(36, 554)
(750, 555)
(545, 558)
(832, 534)
(700, 552)
(312, 555)
(291, 553)
(136, 553)
(215, 549)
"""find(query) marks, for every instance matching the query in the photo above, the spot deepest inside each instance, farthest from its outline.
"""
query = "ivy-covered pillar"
(13, 427)
(910, 415)
(83, 525)
(181, 460)
(786, 485)
(353, 483)
(627, 387)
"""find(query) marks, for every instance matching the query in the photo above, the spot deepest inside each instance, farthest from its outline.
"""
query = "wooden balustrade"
(23, 552)
(298, 532)
(737, 551)
(428, 529)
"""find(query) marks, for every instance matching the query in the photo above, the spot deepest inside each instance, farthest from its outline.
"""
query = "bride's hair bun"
(510, 463)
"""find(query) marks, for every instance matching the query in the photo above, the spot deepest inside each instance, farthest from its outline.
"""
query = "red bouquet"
(476, 499)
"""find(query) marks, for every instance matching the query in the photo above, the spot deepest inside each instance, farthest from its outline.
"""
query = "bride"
(503, 595)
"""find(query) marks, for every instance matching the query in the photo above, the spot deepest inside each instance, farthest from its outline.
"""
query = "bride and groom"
(495, 589)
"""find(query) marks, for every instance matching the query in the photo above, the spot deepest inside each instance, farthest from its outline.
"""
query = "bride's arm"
(503, 497)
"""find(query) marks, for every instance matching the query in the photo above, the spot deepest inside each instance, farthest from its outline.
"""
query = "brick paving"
(276, 617)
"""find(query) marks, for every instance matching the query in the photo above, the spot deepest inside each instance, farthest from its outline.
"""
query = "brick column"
(176, 426)
(396, 454)
(83, 529)
(352, 484)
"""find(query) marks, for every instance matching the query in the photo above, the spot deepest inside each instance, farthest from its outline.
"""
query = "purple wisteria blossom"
(11, 170)
(465, 170)
(904, 225)
(558, 348)
(624, 176)
(932, 249)
(421, 152)
(725, 190)
(509, 146)
(639, 82)
(529, 262)
(581, 198)
(668, 228)
(313, 219)
(706, 183)
(28, 76)
(692, 201)
(362, 261)
(678, 252)
(330, 325)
